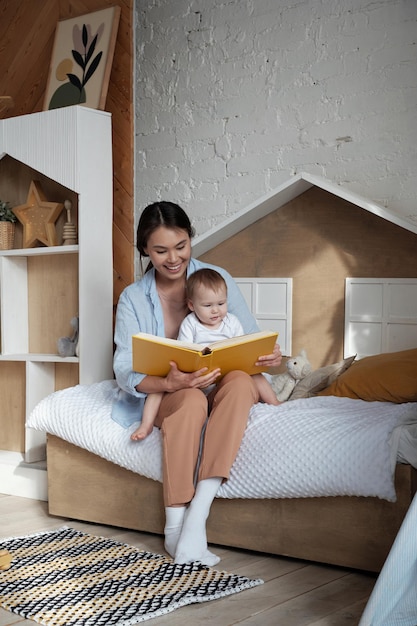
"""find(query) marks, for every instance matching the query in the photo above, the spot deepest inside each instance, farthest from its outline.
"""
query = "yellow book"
(152, 354)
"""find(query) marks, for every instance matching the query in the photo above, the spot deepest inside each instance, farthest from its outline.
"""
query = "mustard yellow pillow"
(389, 377)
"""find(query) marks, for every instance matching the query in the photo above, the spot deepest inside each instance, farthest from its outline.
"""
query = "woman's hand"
(176, 380)
(271, 360)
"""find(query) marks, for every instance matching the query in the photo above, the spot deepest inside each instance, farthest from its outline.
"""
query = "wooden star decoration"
(38, 217)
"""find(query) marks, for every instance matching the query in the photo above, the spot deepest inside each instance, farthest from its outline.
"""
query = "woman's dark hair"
(159, 214)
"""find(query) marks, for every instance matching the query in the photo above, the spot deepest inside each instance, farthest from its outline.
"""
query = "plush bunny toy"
(297, 368)
(68, 346)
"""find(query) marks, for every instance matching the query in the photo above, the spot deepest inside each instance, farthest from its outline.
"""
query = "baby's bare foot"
(141, 433)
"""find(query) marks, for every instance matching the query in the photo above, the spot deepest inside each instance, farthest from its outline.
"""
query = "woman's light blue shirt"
(139, 310)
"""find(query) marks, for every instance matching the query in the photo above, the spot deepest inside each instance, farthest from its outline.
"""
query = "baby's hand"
(271, 360)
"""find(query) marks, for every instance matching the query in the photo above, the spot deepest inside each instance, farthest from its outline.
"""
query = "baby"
(208, 321)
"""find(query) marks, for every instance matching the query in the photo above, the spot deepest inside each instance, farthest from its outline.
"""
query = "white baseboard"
(17, 478)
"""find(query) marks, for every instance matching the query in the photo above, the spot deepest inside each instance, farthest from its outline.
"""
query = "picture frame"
(81, 62)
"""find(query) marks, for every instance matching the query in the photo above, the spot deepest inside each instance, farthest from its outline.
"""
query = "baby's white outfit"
(193, 330)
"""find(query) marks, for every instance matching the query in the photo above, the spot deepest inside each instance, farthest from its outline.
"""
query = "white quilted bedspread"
(307, 448)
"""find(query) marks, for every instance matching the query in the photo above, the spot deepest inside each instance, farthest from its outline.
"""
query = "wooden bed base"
(346, 531)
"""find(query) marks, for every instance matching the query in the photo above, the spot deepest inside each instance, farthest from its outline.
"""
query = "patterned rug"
(69, 578)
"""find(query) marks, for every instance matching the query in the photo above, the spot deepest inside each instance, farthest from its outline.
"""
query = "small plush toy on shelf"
(68, 346)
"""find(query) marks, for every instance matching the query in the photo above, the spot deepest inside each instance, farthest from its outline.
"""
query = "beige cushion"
(388, 377)
(319, 379)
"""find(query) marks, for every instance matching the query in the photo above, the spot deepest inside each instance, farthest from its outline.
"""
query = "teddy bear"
(297, 368)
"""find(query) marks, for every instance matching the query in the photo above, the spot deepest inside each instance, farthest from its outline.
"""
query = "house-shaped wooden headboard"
(317, 234)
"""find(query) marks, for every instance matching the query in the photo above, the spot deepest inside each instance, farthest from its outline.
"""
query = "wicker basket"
(7, 230)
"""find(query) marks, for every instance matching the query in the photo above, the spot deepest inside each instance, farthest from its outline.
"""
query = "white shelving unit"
(71, 146)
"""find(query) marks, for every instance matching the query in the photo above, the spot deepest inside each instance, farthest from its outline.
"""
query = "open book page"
(166, 341)
(152, 355)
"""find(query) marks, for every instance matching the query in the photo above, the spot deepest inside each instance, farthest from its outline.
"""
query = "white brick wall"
(235, 96)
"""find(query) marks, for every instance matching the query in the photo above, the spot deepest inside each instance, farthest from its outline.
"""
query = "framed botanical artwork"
(81, 60)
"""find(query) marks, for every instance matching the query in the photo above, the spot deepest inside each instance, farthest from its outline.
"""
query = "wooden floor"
(295, 593)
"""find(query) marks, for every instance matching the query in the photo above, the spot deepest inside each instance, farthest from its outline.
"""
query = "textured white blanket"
(307, 448)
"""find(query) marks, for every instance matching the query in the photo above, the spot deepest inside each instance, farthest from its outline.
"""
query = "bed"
(328, 476)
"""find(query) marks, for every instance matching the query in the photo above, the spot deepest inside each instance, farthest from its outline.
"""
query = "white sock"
(174, 517)
(192, 544)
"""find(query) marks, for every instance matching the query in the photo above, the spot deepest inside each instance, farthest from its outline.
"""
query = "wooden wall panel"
(27, 31)
(319, 240)
(12, 406)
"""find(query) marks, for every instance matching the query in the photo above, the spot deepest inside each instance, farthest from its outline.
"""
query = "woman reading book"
(157, 304)
(208, 322)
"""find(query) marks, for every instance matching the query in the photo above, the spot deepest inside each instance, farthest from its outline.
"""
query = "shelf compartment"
(22, 385)
(51, 287)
